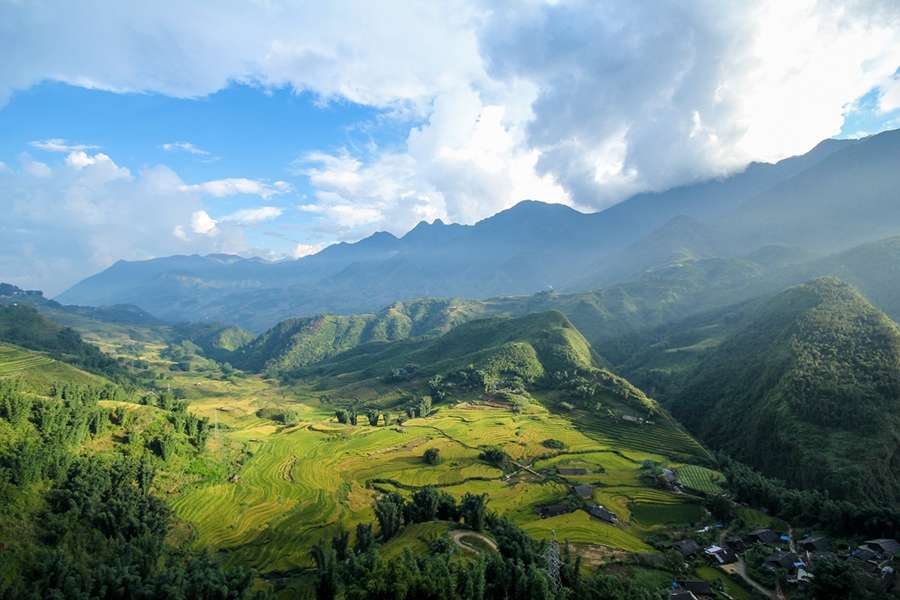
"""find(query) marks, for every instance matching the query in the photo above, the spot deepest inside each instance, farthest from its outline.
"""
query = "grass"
(299, 484)
(700, 479)
(732, 588)
(39, 370)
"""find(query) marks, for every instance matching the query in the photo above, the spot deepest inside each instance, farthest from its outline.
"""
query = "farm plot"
(700, 479)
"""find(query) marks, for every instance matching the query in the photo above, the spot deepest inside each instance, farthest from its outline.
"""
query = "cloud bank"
(581, 102)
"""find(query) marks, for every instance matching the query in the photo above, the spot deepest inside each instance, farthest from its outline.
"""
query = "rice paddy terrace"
(269, 491)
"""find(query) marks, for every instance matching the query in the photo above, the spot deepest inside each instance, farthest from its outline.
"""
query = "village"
(774, 563)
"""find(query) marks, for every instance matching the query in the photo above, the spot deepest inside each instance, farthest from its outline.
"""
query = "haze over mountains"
(840, 194)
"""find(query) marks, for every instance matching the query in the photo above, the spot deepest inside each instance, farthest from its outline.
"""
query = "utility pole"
(554, 562)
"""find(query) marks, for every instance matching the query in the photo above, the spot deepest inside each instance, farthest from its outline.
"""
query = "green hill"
(24, 326)
(297, 343)
(808, 390)
(38, 371)
(528, 346)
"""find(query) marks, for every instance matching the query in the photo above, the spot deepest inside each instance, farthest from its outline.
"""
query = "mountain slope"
(24, 326)
(297, 343)
(530, 346)
(809, 391)
(529, 247)
(846, 199)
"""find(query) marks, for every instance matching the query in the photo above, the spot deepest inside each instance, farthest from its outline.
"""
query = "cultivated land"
(274, 490)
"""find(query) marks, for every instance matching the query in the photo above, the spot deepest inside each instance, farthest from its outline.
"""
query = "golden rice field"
(290, 486)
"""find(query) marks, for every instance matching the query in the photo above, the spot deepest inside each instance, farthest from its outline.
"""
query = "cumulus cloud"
(355, 50)
(636, 96)
(301, 250)
(220, 188)
(575, 101)
(76, 219)
(35, 168)
(60, 145)
(185, 147)
(466, 162)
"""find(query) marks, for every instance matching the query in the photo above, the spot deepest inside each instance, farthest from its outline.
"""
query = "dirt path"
(457, 536)
(741, 570)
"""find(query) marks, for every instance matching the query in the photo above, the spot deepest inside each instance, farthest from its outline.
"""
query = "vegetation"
(24, 326)
(807, 391)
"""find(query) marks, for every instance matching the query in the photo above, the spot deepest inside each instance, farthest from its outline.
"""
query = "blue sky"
(130, 131)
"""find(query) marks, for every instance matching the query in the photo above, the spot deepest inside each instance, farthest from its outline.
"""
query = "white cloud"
(301, 250)
(35, 168)
(889, 97)
(465, 163)
(249, 216)
(71, 222)
(186, 147)
(203, 224)
(571, 101)
(59, 145)
(220, 188)
(636, 96)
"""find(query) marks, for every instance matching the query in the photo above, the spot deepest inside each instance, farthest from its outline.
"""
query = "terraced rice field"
(39, 369)
(294, 485)
(700, 479)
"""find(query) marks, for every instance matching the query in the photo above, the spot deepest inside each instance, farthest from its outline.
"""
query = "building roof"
(785, 560)
(818, 543)
(766, 536)
(571, 471)
(602, 514)
(886, 547)
(864, 554)
(687, 547)
(682, 595)
(697, 587)
(553, 510)
(584, 491)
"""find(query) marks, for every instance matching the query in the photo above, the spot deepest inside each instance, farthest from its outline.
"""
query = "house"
(554, 510)
(762, 536)
(669, 475)
(814, 544)
(784, 560)
(682, 595)
(720, 555)
(601, 513)
(735, 543)
(584, 491)
(566, 471)
(865, 554)
(697, 588)
(688, 548)
(885, 548)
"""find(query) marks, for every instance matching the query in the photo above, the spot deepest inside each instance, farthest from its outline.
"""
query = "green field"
(39, 370)
(700, 479)
(287, 487)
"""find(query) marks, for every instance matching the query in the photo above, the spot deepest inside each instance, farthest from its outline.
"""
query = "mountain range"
(840, 194)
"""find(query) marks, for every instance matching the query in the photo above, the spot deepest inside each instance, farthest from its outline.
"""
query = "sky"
(268, 128)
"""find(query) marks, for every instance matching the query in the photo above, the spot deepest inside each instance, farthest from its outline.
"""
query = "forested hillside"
(24, 326)
(807, 390)
(296, 343)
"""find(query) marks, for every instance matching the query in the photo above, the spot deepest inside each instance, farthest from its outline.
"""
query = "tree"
(342, 415)
(432, 456)
(373, 416)
(389, 512)
(341, 544)
(365, 538)
(424, 505)
(473, 509)
(326, 569)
